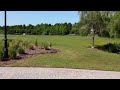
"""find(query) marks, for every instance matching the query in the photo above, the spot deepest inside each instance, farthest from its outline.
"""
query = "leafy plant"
(50, 44)
(112, 48)
(46, 45)
(1, 53)
(36, 43)
(31, 47)
(1, 50)
(12, 53)
(15, 44)
(25, 44)
(10, 40)
(21, 50)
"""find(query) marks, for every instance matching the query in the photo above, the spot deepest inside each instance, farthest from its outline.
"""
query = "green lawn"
(74, 53)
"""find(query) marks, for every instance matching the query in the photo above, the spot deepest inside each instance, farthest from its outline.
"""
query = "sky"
(1, 18)
(38, 17)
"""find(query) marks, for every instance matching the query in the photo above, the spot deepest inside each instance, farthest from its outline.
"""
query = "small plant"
(36, 43)
(1, 50)
(10, 40)
(1, 53)
(12, 53)
(42, 45)
(21, 50)
(31, 47)
(24, 44)
(15, 44)
(50, 44)
(46, 45)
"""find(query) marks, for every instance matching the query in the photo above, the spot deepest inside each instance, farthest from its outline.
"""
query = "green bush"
(21, 50)
(1, 50)
(10, 40)
(46, 45)
(25, 44)
(1, 55)
(15, 44)
(50, 44)
(110, 47)
(12, 53)
(36, 43)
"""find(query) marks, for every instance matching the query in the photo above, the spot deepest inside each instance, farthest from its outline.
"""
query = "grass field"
(74, 53)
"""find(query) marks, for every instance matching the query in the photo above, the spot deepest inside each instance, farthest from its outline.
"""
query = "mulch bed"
(29, 54)
(34, 52)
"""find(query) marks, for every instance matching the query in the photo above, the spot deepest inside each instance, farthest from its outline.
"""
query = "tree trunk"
(92, 42)
(93, 35)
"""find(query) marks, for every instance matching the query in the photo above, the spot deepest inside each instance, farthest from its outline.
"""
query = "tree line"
(39, 29)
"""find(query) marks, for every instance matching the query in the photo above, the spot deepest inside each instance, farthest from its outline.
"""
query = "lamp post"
(5, 55)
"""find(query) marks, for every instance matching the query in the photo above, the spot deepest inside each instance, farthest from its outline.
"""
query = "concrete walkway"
(54, 73)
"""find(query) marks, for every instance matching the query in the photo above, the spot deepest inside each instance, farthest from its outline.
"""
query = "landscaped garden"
(64, 45)
(72, 52)
(21, 49)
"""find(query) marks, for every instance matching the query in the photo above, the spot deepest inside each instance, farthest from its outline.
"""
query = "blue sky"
(38, 17)
(1, 18)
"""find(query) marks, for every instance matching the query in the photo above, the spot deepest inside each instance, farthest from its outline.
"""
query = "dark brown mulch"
(36, 51)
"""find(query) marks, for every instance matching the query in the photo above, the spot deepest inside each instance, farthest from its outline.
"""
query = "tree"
(90, 19)
(97, 21)
(75, 29)
(115, 25)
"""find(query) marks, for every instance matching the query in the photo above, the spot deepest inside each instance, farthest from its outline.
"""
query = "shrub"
(15, 45)
(42, 45)
(46, 45)
(21, 50)
(113, 48)
(1, 50)
(50, 44)
(1, 55)
(36, 43)
(12, 53)
(25, 44)
(10, 40)
(31, 47)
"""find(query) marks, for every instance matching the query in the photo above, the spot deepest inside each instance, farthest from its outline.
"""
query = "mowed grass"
(75, 52)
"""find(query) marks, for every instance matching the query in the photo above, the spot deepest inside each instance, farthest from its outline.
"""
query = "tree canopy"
(40, 29)
(98, 20)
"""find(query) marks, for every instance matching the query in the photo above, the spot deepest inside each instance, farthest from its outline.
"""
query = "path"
(54, 73)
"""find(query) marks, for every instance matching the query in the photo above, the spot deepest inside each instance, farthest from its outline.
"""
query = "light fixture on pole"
(5, 55)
